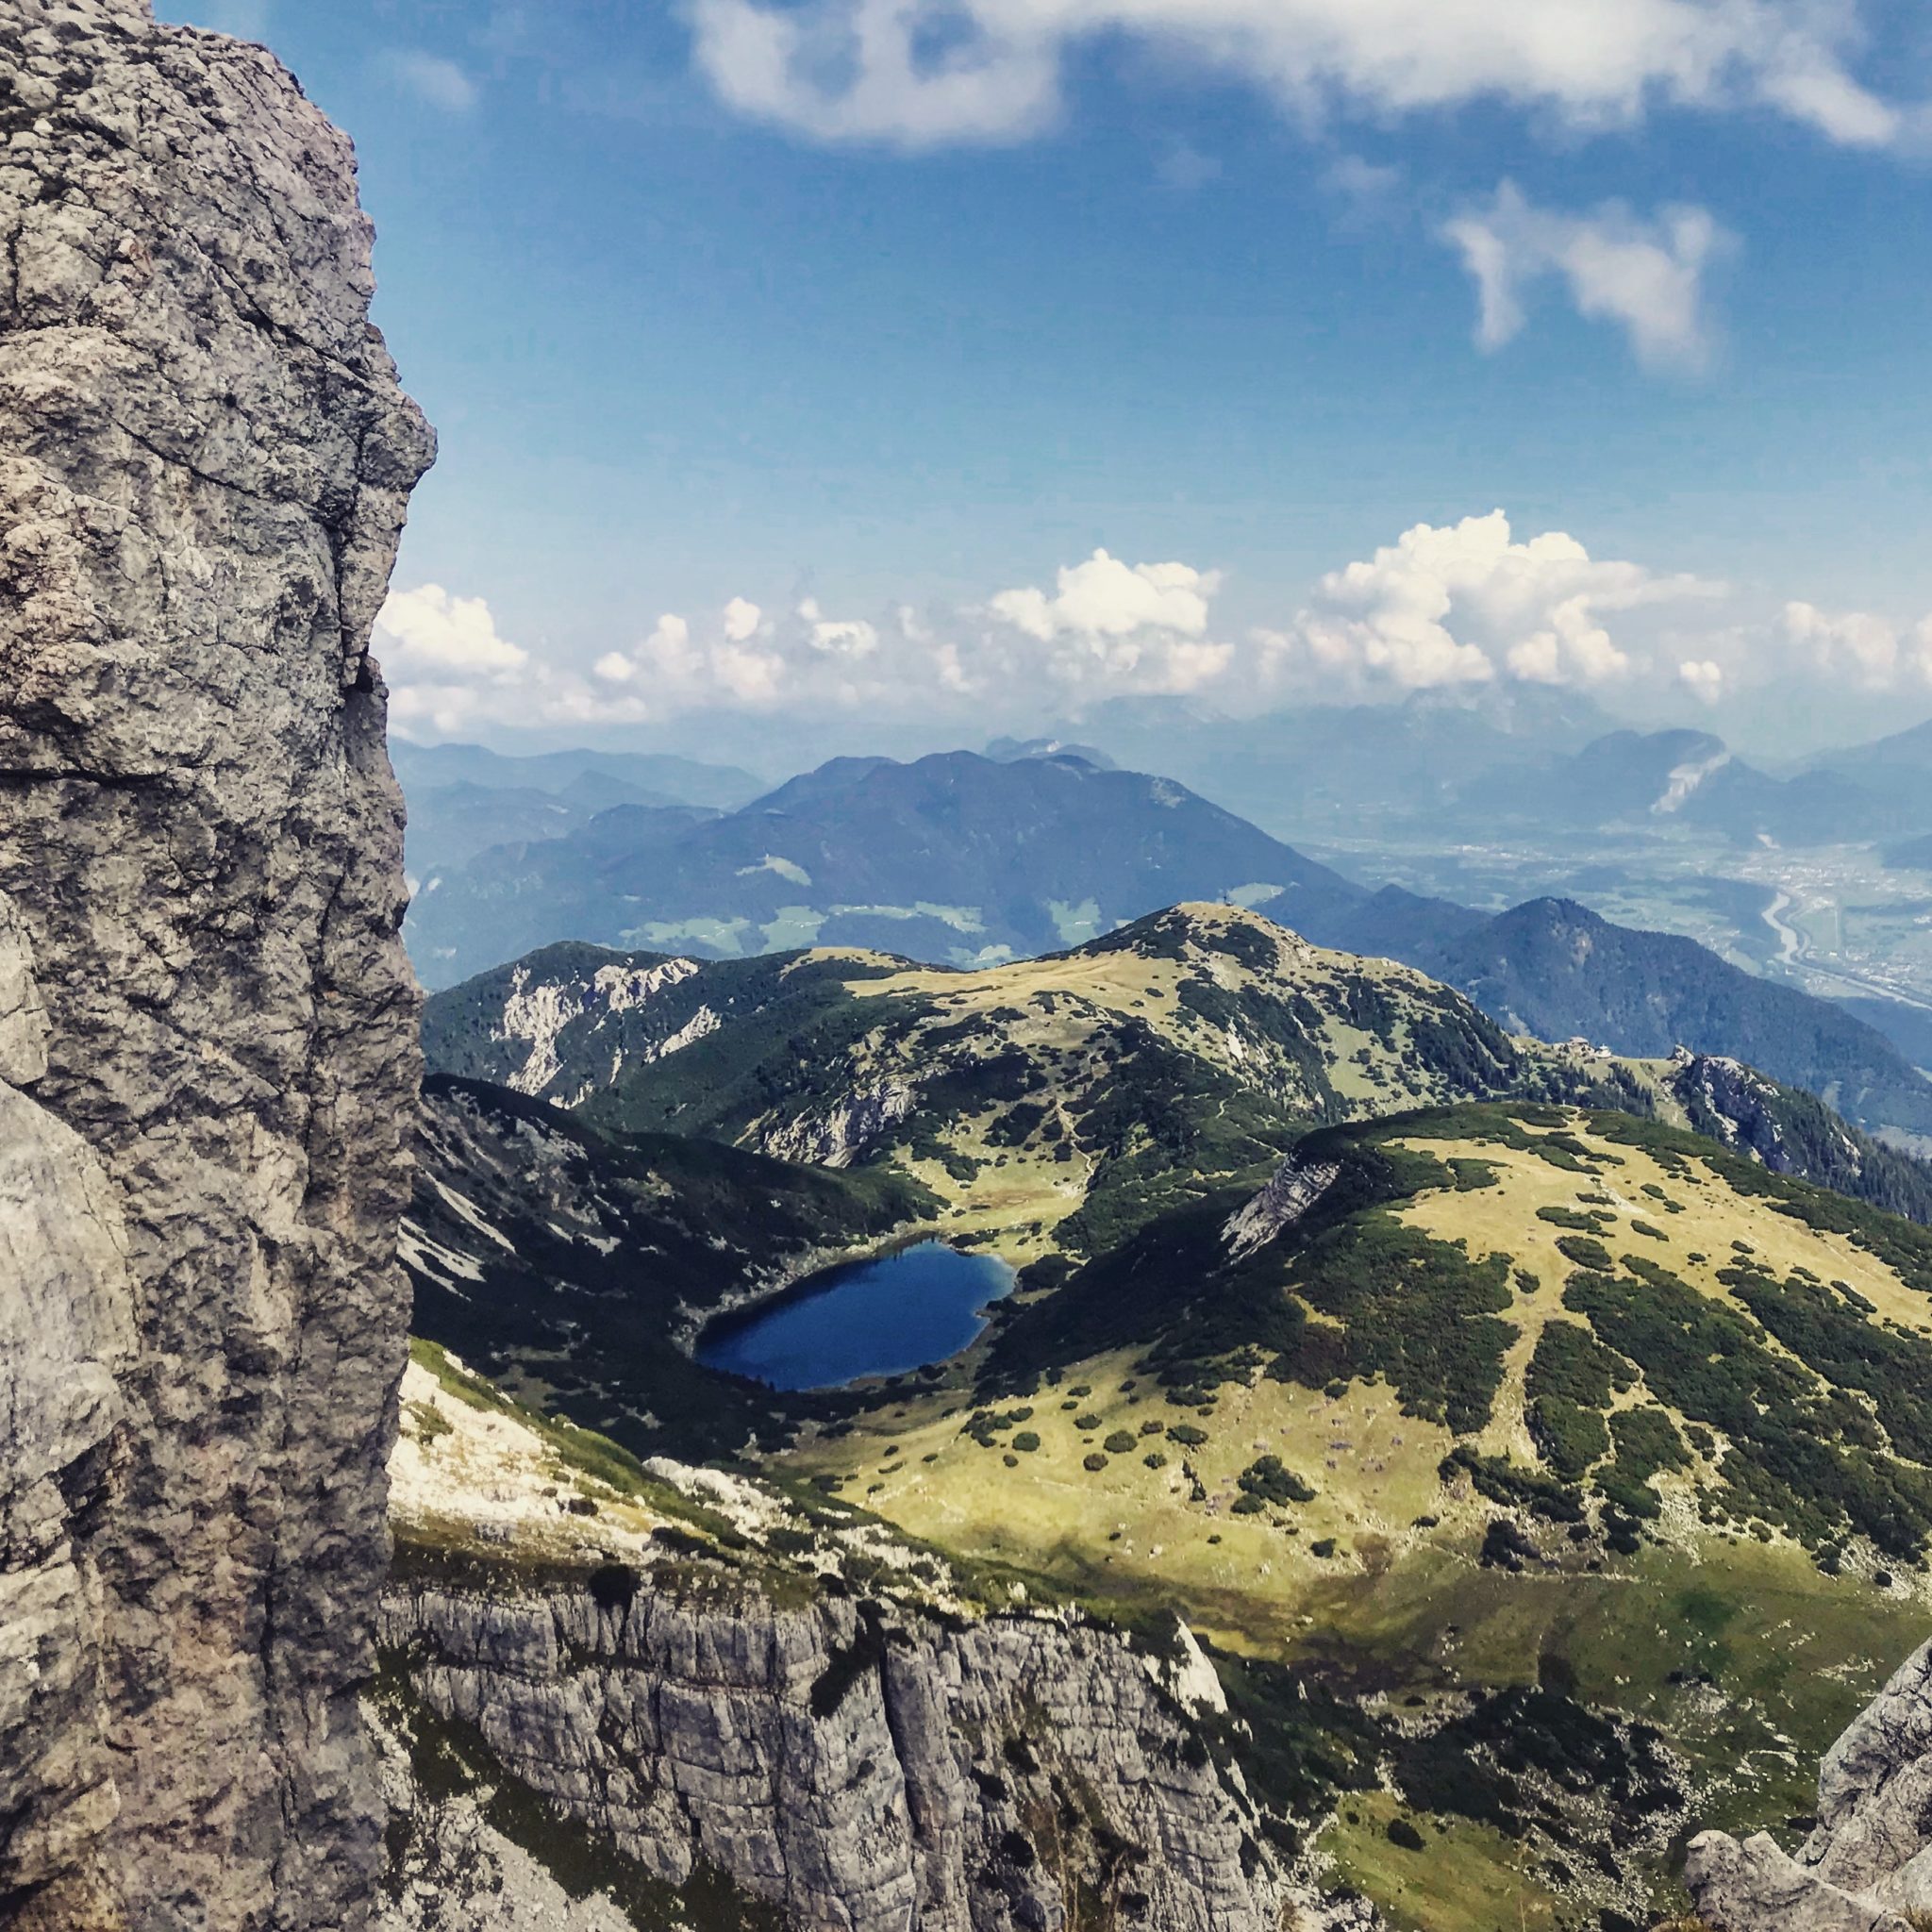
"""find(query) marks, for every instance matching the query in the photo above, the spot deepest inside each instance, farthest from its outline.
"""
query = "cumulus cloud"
(1646, 277)
(1872, 651)
(430, 630)
(431, 79)
(742, 620)
(838, 637)
(1703, 678)
(1130, 627)
(451, 670)
(1104, 628)
(674, 669)
(930, 72)
(1467, 603)
(1104, 597)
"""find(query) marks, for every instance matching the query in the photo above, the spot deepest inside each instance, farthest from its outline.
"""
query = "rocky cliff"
(839, 1763)
(1866, 1866)
(206, 1066)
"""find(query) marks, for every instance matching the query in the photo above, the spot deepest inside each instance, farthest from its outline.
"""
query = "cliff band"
(208, 1065)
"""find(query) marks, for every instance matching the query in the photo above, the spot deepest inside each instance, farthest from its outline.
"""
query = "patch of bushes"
(1585, 1251)
(1569, 1218)
(1270, 1481)
(1506, 1547)
(1399, 1303)
(1647, 1444)
(1503, 1481)
(1803, 1456)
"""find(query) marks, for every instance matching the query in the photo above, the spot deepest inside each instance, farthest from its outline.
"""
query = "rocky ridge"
(1190, 1047)
(653, 1695)
(206, 1060)
(1866, 1866)
(853, 1766)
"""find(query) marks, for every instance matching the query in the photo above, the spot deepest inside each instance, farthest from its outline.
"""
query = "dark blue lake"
(879, 1317)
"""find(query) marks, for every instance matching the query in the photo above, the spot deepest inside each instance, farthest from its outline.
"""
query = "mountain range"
(1074, 1092)
(464, 799)
(1556, 968)
(961, 859)
(1476, 1391)
(955, 857)
(1470, 761)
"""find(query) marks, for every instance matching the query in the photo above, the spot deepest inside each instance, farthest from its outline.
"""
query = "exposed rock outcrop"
(1869, 1861)
(1738, 1106)
(856, 1767)
(1295, 1187)
(206, 1068)
(839, 1136)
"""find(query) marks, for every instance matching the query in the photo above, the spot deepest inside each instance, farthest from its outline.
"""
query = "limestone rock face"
(856, 1768)
(206, 1066)
(1869, 1861)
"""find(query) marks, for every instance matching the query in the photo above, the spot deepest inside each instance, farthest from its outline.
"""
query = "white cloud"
(1138, 628)
(1105, 628)
(849, 70)
(429, 630)
(1873, 651)
(1466, 603)
(1105, 597)
(927, 73)
(450, 670)
(1648, 276)
(672, 670)
(1703, 678)
(838, 637)
(434, 80)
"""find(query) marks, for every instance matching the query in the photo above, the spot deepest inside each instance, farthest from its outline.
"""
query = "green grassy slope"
(1530, 1404)
(1061, 1102)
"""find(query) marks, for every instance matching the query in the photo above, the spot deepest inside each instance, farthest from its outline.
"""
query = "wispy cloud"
(431, 79)
(1646, 277)
(1370, 193)
(1183, 168)
(929, 73)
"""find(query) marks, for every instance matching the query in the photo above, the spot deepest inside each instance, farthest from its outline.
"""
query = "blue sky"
(731, 301)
